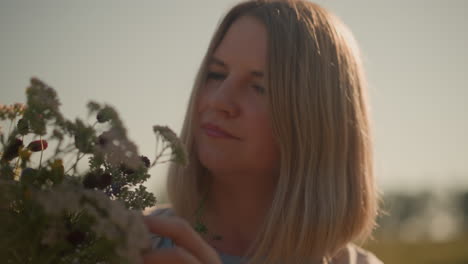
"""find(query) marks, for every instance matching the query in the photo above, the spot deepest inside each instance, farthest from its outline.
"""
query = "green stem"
(16, 255)
(19, 156)
(164, 161)
(9, 127)
(57, 149)
(159, 156)
(199, 210)
(199, 226)
(78, 158)
(42, 151)
(68, 148)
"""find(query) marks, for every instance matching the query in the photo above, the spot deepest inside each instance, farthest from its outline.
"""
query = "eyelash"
(220, 76)
(215, 76)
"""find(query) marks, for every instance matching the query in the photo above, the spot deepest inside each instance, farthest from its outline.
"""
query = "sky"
(142, 56)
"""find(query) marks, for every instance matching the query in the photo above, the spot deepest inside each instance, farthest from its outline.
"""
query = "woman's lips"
(215, 131)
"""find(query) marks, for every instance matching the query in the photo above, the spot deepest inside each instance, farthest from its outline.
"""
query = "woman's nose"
(224, 99)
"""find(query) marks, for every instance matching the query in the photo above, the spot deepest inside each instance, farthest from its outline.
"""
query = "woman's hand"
(190, 247)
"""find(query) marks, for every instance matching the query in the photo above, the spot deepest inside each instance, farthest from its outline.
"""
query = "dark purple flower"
(90, 181)
(102, 141)
(76, 237)
(12, 149)
(28, 172)
(104, 180)
(145, 161)
(93, 180)
(126, 170)
(116, 188)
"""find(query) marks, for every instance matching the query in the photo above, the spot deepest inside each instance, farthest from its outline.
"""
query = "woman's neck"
(235, 211)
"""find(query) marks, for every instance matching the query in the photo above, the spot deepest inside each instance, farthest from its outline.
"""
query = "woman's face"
(233, 131)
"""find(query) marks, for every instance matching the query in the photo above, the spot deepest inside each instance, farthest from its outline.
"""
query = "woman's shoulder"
(353, 254)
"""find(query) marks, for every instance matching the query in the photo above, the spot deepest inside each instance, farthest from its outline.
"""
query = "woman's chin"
(217, 164)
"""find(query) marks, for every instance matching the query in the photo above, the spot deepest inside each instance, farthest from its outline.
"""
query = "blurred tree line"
(426, 227)
(426, 215)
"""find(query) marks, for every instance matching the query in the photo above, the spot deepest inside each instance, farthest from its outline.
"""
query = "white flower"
(126, 227)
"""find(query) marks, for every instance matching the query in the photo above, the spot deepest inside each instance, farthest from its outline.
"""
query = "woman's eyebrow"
(217, 61)
(221, 63)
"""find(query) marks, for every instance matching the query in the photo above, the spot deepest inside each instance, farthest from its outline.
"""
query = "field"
(397, 252)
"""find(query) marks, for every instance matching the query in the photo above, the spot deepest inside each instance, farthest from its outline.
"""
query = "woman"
(277, 131)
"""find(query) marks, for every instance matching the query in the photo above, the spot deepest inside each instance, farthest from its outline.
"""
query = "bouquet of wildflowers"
(50, 211)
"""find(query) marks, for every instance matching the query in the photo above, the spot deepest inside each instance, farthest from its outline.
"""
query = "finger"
(181, 233)
(175, 255)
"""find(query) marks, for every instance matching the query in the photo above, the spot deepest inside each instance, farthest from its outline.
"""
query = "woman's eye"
(221, 76)
(215, 76)
(259, 89)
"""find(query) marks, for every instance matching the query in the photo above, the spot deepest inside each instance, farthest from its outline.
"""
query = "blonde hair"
(325, 195)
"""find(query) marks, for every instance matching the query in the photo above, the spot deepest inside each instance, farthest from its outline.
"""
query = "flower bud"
(104, 115)
(145, 161)
(25, 154)
(23, 126)
(37, 145)
(12, 149)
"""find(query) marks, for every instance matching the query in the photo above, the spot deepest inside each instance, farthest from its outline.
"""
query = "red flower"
(37, 145)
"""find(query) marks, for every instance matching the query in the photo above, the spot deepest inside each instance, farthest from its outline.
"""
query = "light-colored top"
(352, 254)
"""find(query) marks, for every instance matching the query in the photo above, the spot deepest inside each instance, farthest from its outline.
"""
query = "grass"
(422, 252)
